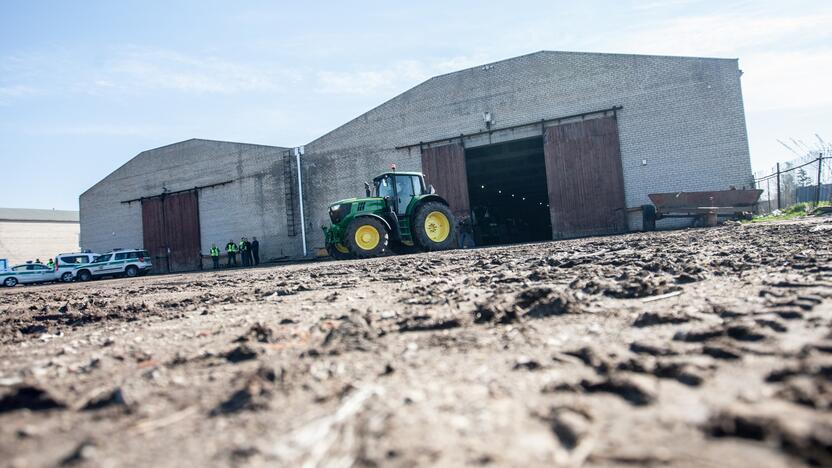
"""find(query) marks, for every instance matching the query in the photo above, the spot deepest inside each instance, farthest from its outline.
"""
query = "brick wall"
(684, 116)
(251, 205)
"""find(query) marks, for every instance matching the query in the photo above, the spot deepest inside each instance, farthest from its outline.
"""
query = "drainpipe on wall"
(298, 153)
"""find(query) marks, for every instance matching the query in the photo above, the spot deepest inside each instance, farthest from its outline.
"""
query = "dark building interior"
(508, 192)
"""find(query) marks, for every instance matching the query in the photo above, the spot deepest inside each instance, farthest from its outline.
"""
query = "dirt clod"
(699, 335)
(649, 319)
(811, 443)
(427, 323)
(106, 399)
(633, 390)
(254, 394)
(258, 332)
(348, 333)
(28, 397)
(241, 353)
(84, 452)
(541, 302)
(570, 426)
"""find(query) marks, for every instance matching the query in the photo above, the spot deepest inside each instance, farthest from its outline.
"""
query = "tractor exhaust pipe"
(393, 219)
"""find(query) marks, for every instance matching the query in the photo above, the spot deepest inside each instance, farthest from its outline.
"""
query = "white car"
(67, 263)
(130, 263)
(27, 273)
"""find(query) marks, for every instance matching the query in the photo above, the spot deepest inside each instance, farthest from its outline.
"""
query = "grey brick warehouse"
(565, 133)
(239, 190)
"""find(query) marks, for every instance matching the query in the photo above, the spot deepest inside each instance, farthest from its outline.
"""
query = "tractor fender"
(432, 197)
(371, 215)
(429, 198)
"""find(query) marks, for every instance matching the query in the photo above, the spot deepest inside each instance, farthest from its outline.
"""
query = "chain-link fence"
(805, 179)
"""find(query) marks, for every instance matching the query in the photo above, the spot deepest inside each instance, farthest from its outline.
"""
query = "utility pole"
(817, 189)
(778, 186)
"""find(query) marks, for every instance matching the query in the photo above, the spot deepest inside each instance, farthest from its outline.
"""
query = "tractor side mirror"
(431, 190)
(367, 189)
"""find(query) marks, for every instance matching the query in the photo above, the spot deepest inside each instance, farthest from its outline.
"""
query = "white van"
(67, 263)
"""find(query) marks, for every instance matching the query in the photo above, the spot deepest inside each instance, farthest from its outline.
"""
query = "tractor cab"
(399, 212)
(399, 189)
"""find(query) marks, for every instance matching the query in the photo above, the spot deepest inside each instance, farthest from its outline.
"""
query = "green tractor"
(399, 213)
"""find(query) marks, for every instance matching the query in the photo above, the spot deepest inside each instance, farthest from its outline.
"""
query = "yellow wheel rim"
(367, 237)
(437, 226)
(342, 248)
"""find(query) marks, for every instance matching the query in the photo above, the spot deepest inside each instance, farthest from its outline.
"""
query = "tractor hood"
(343, 209)
(353, 200)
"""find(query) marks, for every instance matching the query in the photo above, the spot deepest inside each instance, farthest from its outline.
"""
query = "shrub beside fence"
(807, 179)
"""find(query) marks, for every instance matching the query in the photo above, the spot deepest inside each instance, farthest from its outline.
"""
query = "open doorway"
(508, 193)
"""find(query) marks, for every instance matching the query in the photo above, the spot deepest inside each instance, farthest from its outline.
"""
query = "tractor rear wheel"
(433, 227)
(367, 237)
(338, 251)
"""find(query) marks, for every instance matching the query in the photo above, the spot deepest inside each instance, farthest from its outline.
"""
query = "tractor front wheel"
(433, 227)
(338, 251)
(367, 237)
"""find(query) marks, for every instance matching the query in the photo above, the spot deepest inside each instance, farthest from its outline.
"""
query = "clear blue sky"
(85, 86)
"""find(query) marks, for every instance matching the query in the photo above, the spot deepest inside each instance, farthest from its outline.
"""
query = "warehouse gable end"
(681, 125)
(240, 191)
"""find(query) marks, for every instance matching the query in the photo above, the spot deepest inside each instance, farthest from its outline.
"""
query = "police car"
(26, 274)
(67, 263)
(130, 263)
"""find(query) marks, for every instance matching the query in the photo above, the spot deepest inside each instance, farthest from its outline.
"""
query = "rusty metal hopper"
(687, 201)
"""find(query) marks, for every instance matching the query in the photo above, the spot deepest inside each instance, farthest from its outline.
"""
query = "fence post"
(778, 186)
(817, 189)
(768, 194)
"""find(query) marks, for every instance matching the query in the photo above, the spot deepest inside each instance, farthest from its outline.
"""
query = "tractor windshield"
(384, 187)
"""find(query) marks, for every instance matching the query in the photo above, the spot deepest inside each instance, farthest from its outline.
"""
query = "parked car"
(130, 263)
(27, 273)
(67, 263)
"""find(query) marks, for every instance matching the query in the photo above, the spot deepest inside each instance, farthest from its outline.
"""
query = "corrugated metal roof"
(26, 214)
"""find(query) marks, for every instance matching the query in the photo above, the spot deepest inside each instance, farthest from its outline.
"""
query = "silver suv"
(130, 263)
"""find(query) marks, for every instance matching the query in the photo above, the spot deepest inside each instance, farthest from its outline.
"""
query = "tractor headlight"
(337, 212)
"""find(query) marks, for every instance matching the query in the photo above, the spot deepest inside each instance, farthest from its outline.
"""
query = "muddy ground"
(706, 347)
